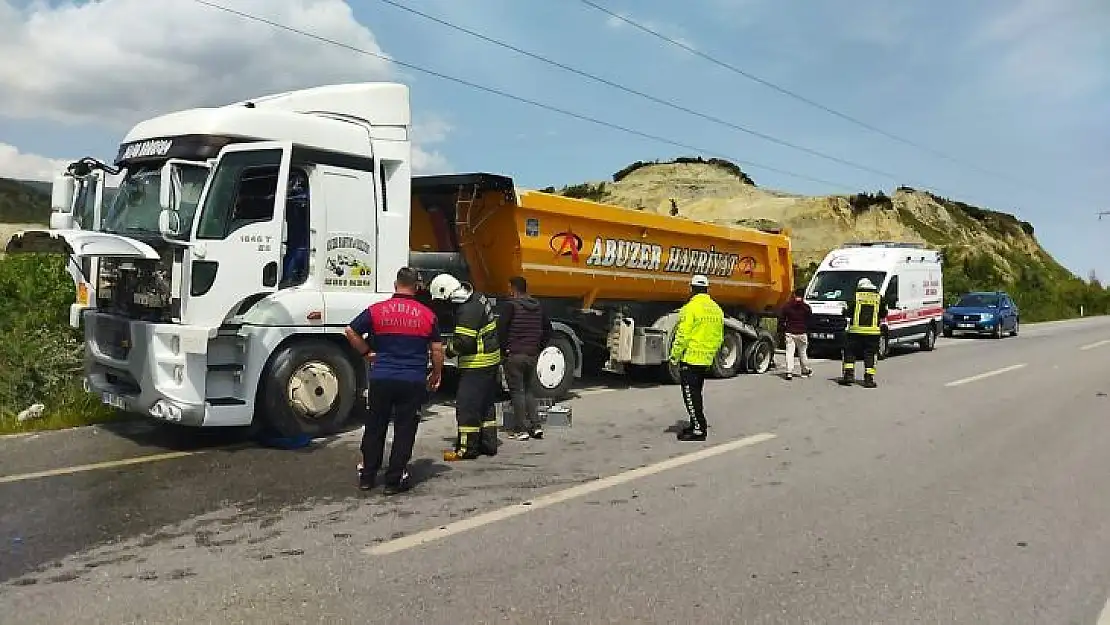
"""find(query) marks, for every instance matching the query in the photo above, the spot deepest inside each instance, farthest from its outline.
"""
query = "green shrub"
(40, 355)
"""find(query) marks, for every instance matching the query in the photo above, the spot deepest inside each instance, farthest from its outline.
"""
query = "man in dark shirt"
(522, 327)
(794, 318)
(402, 333)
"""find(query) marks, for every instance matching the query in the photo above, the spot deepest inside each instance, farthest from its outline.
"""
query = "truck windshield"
(839, 286)
(135, 208)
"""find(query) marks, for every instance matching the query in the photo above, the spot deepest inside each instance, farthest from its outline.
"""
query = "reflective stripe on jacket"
(700, 331)
(475, 342)
(866, 313)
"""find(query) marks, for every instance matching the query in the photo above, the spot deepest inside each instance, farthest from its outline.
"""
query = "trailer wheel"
(308, 388)
(555, 368)
(729, 358)
(759, 354)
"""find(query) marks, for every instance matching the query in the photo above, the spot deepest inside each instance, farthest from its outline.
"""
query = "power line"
(789, 93)
(668, 103)
(517, 98)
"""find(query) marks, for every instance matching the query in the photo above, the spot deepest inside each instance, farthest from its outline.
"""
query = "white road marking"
(1094, 345)
(508, 512)
(988, 374)
(1104, 616)
(111, 464)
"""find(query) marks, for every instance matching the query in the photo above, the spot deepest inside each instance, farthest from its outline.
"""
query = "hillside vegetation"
(983, 249)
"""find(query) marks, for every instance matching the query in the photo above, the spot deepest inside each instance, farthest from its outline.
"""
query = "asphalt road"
(970, 487)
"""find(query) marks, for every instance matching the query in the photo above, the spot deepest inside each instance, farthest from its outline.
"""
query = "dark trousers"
(474, 412)
(520, 375)
(856, 345)
(398, 401)
(693, 380)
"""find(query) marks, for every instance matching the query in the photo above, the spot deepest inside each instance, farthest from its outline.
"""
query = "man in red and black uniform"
(402, 333)
(522, 327)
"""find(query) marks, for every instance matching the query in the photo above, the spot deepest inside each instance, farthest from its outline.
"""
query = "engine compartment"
(136, 288)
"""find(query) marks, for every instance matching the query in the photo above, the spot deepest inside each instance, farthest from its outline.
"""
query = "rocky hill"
(983, 249)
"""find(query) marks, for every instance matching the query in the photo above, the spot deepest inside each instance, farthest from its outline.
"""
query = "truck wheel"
(308, 388)
(759, 354)
(884, 347)
(729, 359)
(555, 368)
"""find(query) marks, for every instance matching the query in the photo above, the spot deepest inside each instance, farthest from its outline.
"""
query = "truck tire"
(555, 368)
(884, 346)
(729, 360)
(759, 354)
(308, 388)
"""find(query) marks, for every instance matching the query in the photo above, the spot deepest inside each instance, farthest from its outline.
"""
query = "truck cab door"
(234, 259)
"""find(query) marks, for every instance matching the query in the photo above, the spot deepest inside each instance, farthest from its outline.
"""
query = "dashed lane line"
(1094, 345)
(551, 499)
(988, 374)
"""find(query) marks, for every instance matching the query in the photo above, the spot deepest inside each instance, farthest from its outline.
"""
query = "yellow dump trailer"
(611, 277)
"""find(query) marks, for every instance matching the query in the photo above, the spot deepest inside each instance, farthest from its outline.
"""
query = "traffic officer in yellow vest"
(475, 344)
(697, 339)
(866, 312)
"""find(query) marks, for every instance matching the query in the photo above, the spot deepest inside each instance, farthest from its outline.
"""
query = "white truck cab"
(909, 277)
(241, 241)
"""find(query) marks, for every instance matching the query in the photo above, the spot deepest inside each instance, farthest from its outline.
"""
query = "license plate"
(967, 325)
(823, 336)
(114, 401)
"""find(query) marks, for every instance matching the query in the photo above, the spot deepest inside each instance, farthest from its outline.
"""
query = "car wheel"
(1015, 330)
(930, 341)
(884, 347)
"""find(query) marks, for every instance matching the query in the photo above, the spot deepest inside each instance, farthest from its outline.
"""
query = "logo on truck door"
(348, 263)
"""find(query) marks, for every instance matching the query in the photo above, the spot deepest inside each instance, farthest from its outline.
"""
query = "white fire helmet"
(699, 280)
(446, 287)
(865, 284)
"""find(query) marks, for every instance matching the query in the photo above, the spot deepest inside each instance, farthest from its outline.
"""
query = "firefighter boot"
(487, 439)
(869, 380)
(849, 376)
(466, 446)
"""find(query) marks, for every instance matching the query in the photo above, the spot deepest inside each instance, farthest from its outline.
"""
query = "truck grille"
(827, 323)
(113, 336)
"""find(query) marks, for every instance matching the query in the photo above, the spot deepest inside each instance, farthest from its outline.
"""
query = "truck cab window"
(298, 228)
(242, 192)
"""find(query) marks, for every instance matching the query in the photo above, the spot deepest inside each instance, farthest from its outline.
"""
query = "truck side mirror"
(61, 193)
(169, 223)
(165, 188)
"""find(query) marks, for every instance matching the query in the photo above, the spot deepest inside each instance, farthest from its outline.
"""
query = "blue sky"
(1016, 87)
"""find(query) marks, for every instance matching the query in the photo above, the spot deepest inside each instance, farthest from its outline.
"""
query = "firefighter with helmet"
(866, 312)
(475, 344)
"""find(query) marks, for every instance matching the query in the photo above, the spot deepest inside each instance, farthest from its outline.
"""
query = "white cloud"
(429, 132)
(114, 62)
(1046, 49)
(22, 166)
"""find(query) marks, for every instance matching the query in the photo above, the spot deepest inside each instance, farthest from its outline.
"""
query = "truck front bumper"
(153, 369)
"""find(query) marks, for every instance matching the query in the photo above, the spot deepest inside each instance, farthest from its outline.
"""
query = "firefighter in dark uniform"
(475, 344)
(866, 311)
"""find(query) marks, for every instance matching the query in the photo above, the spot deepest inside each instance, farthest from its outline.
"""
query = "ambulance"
(908, 275)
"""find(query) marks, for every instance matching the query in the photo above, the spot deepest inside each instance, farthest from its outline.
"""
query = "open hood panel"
(79, 243)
